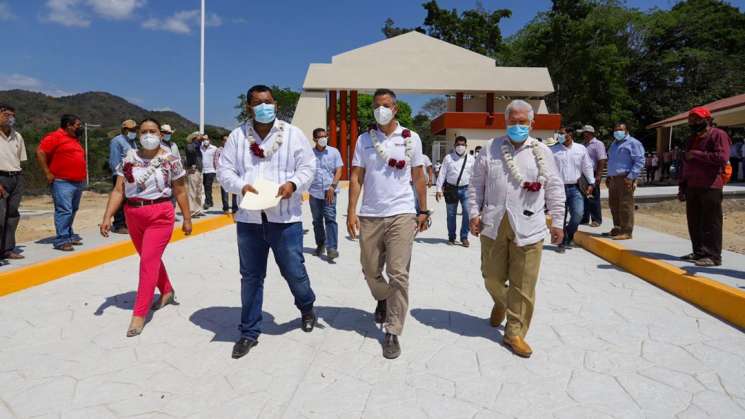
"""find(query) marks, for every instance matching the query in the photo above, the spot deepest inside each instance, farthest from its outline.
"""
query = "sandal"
(707, 262)
(135, 330)
(160, 304)
(691, 257)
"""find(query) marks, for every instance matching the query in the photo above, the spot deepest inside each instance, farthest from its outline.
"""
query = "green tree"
(475, 29)
(286, 103)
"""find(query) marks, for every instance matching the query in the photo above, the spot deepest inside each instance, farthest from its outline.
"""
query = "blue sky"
(147, 50)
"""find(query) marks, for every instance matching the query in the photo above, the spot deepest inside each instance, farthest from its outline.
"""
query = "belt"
(10, 174)
(620, 175)
(146, 202)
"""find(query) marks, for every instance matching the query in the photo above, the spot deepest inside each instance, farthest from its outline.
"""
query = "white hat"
(588, 128)
(166, 128)
(550, 141)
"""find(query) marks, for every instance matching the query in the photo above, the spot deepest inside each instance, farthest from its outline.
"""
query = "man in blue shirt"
(323, 195)
(118, 148)
(625, 163)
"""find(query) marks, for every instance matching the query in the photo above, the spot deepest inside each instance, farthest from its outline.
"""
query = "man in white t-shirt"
(386, 159)
(209, 170)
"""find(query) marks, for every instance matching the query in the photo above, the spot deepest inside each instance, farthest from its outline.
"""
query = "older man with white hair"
(513, 179)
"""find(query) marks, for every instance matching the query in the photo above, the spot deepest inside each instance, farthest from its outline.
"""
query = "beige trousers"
(502, 261)
(196, 191)
(387, 242)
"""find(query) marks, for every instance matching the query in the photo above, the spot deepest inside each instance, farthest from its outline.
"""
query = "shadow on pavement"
(223, 322)
(46, 240)
(693, 270)
(459, 323)
(123, 301)
(429, 240)
(656, 255)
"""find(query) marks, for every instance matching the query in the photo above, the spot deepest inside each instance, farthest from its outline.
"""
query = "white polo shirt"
(387, 190)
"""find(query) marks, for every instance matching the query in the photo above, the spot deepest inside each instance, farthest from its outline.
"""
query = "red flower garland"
(400, 164)
(127, 170)
(257, 151)
(406, 133)
(532, 186)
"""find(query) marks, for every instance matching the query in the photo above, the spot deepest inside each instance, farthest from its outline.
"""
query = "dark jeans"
(452, 212)
(324, 223)
(119, 220)
(593, 208)
(224, 199)
(704, 212)
(207, 180)
(735, 162)
(286, 242)
(9, 215)
(575, 208)
(66, 196)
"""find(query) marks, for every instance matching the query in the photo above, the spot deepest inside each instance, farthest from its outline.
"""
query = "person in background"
(572, 162)
(322, 193)
(625, 163)
(655, 166)
(429, 172)
(166, 135)
(596, 151)
(477, 150)
(12, 154)
(677, 166)
(700, 186)
(735, 157)
(437, 167)
(194, 177)
(667, 161)
(507, 211)
(648, 167)
(62, 159)
(147, 177)
(226, 197)
(453, 184)
(209, 169)
(118, 148)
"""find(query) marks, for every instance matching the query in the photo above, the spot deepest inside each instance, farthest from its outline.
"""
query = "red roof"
(713, 107)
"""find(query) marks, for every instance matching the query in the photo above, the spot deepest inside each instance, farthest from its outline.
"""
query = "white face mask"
(167, 137)
(131, 135)
(206, 143)
(383, 115)
(323, 141)
(150, 141)
(460, 149)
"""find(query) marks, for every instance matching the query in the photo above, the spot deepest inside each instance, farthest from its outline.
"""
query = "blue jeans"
(66, 196)
(452, 210)
(575, 209)
(593, 208)
(328, 234)
(286, 242)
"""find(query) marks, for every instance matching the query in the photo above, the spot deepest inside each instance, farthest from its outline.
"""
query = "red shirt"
(709, 155)
(65, 156)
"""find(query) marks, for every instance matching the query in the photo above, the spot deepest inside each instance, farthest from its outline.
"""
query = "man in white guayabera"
(513, 178)
(386, 160)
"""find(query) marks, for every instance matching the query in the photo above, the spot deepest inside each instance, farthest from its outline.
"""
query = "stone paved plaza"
(607, 345)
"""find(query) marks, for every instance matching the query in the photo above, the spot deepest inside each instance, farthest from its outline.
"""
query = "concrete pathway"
(607, 345)
(655, 193)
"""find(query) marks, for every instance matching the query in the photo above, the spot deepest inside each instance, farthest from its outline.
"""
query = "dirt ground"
(669, 217)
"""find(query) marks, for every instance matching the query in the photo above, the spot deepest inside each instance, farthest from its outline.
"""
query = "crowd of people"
(504, 191)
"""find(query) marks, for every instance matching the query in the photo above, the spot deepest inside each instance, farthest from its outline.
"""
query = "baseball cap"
(588, 128)
(166, 128)
(129, 124)
(701, 112)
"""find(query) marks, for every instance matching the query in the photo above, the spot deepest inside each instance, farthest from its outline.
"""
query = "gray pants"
(9, 215)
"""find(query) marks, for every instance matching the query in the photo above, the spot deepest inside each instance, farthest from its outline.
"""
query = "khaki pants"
(196, 191)
(621, 203)
(502, 261)
(387, 242)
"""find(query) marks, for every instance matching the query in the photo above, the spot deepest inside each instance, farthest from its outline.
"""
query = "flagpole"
(201, 75)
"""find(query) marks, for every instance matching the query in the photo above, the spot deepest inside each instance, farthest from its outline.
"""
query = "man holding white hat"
(596, 150)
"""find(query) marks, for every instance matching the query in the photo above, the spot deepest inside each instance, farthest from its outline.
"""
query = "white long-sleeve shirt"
(292, 162)
(573, 162)
(209, 159)
(493, 192)
(450, 169)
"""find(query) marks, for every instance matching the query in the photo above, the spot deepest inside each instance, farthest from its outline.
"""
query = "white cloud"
(163, 109)
(24, 82)
(5, 12)
(77, 13)
(181, 22)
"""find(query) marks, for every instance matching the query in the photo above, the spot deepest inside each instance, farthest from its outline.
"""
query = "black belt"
(10, 174)
(146, 202)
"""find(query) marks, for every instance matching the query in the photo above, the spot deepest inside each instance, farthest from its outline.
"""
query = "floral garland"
(515, 172)
(140, 181)
(258, 150)
(408, 149)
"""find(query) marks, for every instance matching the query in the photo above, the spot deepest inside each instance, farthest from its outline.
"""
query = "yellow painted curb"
(725, 302)
(42, 272)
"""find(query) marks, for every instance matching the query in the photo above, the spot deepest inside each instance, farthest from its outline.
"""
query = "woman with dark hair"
(146, 180)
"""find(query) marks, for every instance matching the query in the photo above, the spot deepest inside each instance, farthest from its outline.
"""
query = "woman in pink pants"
(146, 180)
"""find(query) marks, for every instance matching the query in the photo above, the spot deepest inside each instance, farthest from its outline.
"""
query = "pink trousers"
(150, 228)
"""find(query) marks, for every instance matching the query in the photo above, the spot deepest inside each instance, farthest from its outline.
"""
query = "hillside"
(37, 111)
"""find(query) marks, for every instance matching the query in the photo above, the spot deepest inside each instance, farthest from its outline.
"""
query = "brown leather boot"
(518, 346)
(497, 316)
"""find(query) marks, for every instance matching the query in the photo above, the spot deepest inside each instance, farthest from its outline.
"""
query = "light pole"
(87, 174)
(201, 76)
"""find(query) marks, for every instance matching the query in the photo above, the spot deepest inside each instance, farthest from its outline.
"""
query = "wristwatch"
(334, 185)
(425, 212)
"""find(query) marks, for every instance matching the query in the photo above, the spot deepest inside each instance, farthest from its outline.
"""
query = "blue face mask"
(264, 113)
(518, 133)
(561, 138)
(619, 135)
